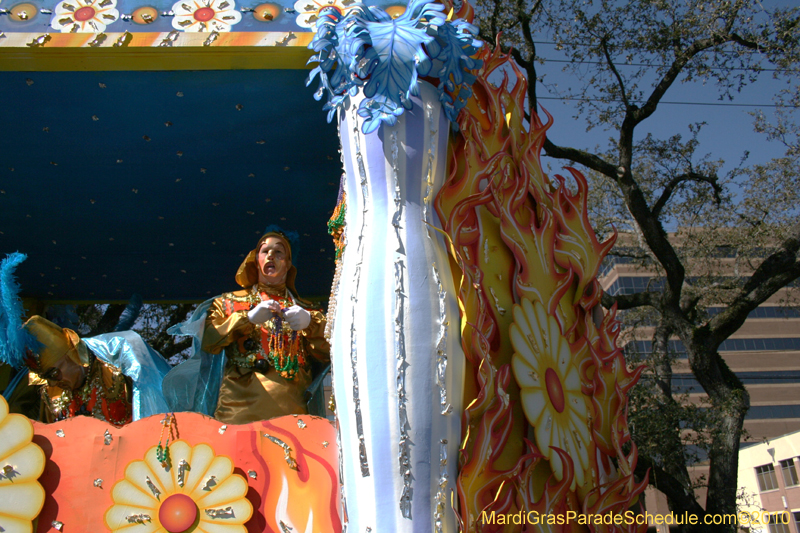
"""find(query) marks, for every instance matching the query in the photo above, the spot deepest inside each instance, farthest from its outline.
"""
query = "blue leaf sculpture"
(369, 50)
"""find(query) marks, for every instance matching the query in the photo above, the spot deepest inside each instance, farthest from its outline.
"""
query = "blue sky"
(729, 131)
(728, 134)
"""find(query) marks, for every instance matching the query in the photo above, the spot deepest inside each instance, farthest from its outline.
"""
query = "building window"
(789, 473)
(766, 478)
(797, 520)
(778, 522)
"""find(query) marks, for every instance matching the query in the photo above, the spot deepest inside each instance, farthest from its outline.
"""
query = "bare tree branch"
(677, 180)
(776, 272)
(582, 157)
(631, 301)
(672, 74)
(610, 62)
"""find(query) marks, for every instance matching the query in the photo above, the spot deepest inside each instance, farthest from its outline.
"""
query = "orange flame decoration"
(517, 236)
(300, 489)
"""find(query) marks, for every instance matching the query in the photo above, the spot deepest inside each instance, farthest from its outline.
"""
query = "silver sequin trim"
(441, 494)
(441, 346)
(404, 449)
(362, 447)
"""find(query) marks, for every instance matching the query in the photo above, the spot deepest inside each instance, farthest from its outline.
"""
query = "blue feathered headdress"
(291, 236)
(14, 338)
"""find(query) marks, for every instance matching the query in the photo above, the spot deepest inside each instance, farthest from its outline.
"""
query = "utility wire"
(754, 69)
(720, 104)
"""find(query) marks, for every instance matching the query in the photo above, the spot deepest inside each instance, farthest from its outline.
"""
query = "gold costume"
(105, 393)
(267, 370)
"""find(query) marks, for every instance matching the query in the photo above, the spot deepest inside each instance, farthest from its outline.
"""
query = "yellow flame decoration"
(526, 260)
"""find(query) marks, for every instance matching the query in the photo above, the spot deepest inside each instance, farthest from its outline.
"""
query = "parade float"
(473, 375)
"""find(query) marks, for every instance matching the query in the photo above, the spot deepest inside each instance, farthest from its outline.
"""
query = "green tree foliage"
(713, 233)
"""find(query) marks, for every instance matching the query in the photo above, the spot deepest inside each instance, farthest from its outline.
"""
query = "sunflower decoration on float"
(21, 464)
(308, 10)
(546, 367)
(84, 16)
(182, 488)
(205, 15)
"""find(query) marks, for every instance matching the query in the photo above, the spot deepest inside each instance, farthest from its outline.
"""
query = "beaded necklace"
(283, 350)
(93, 398)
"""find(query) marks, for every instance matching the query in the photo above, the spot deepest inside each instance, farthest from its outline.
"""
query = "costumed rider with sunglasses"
(254, 348)
(115, 377)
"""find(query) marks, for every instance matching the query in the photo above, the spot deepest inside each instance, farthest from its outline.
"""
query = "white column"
(397, 360)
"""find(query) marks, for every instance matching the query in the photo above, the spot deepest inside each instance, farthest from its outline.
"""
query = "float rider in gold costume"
(269, 336)
(115, 377)
(72, 380)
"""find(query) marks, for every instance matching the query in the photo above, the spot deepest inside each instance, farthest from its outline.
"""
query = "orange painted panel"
(290, 465)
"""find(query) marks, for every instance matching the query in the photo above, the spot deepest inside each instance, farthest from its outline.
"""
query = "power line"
(754, 69)
(719, 104)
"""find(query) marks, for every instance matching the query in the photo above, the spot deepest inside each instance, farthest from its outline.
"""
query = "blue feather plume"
(13, 337)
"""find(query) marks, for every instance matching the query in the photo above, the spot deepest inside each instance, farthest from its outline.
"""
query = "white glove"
(261, 313)
(297, 317)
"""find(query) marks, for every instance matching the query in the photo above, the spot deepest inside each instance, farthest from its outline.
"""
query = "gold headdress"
(57, 343)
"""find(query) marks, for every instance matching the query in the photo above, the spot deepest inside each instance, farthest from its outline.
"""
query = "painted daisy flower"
(545, 368)
(308, 10)
(199, 491)
(21, 464)
(205, 15)
(84, 16)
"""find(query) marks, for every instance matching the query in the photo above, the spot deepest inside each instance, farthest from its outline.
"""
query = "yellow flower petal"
(233, 488)
(29, 464)
(242, 511)
(521, 323)
(164, 483)
(210, 527)
(221, 467)
(544, 433)
(179, 451)
(534, 405)
(17, 432)
(21, 500)
(116, 518)
(578, 406)
(138, 472)
(200, 459)
(562, 356)
(130, 493)
(14, 525)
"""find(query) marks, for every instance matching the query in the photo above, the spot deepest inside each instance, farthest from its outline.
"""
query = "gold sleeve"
(314, 337)
(219, 328)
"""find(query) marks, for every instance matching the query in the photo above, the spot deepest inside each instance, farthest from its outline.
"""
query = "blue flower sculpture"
(369, 50)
